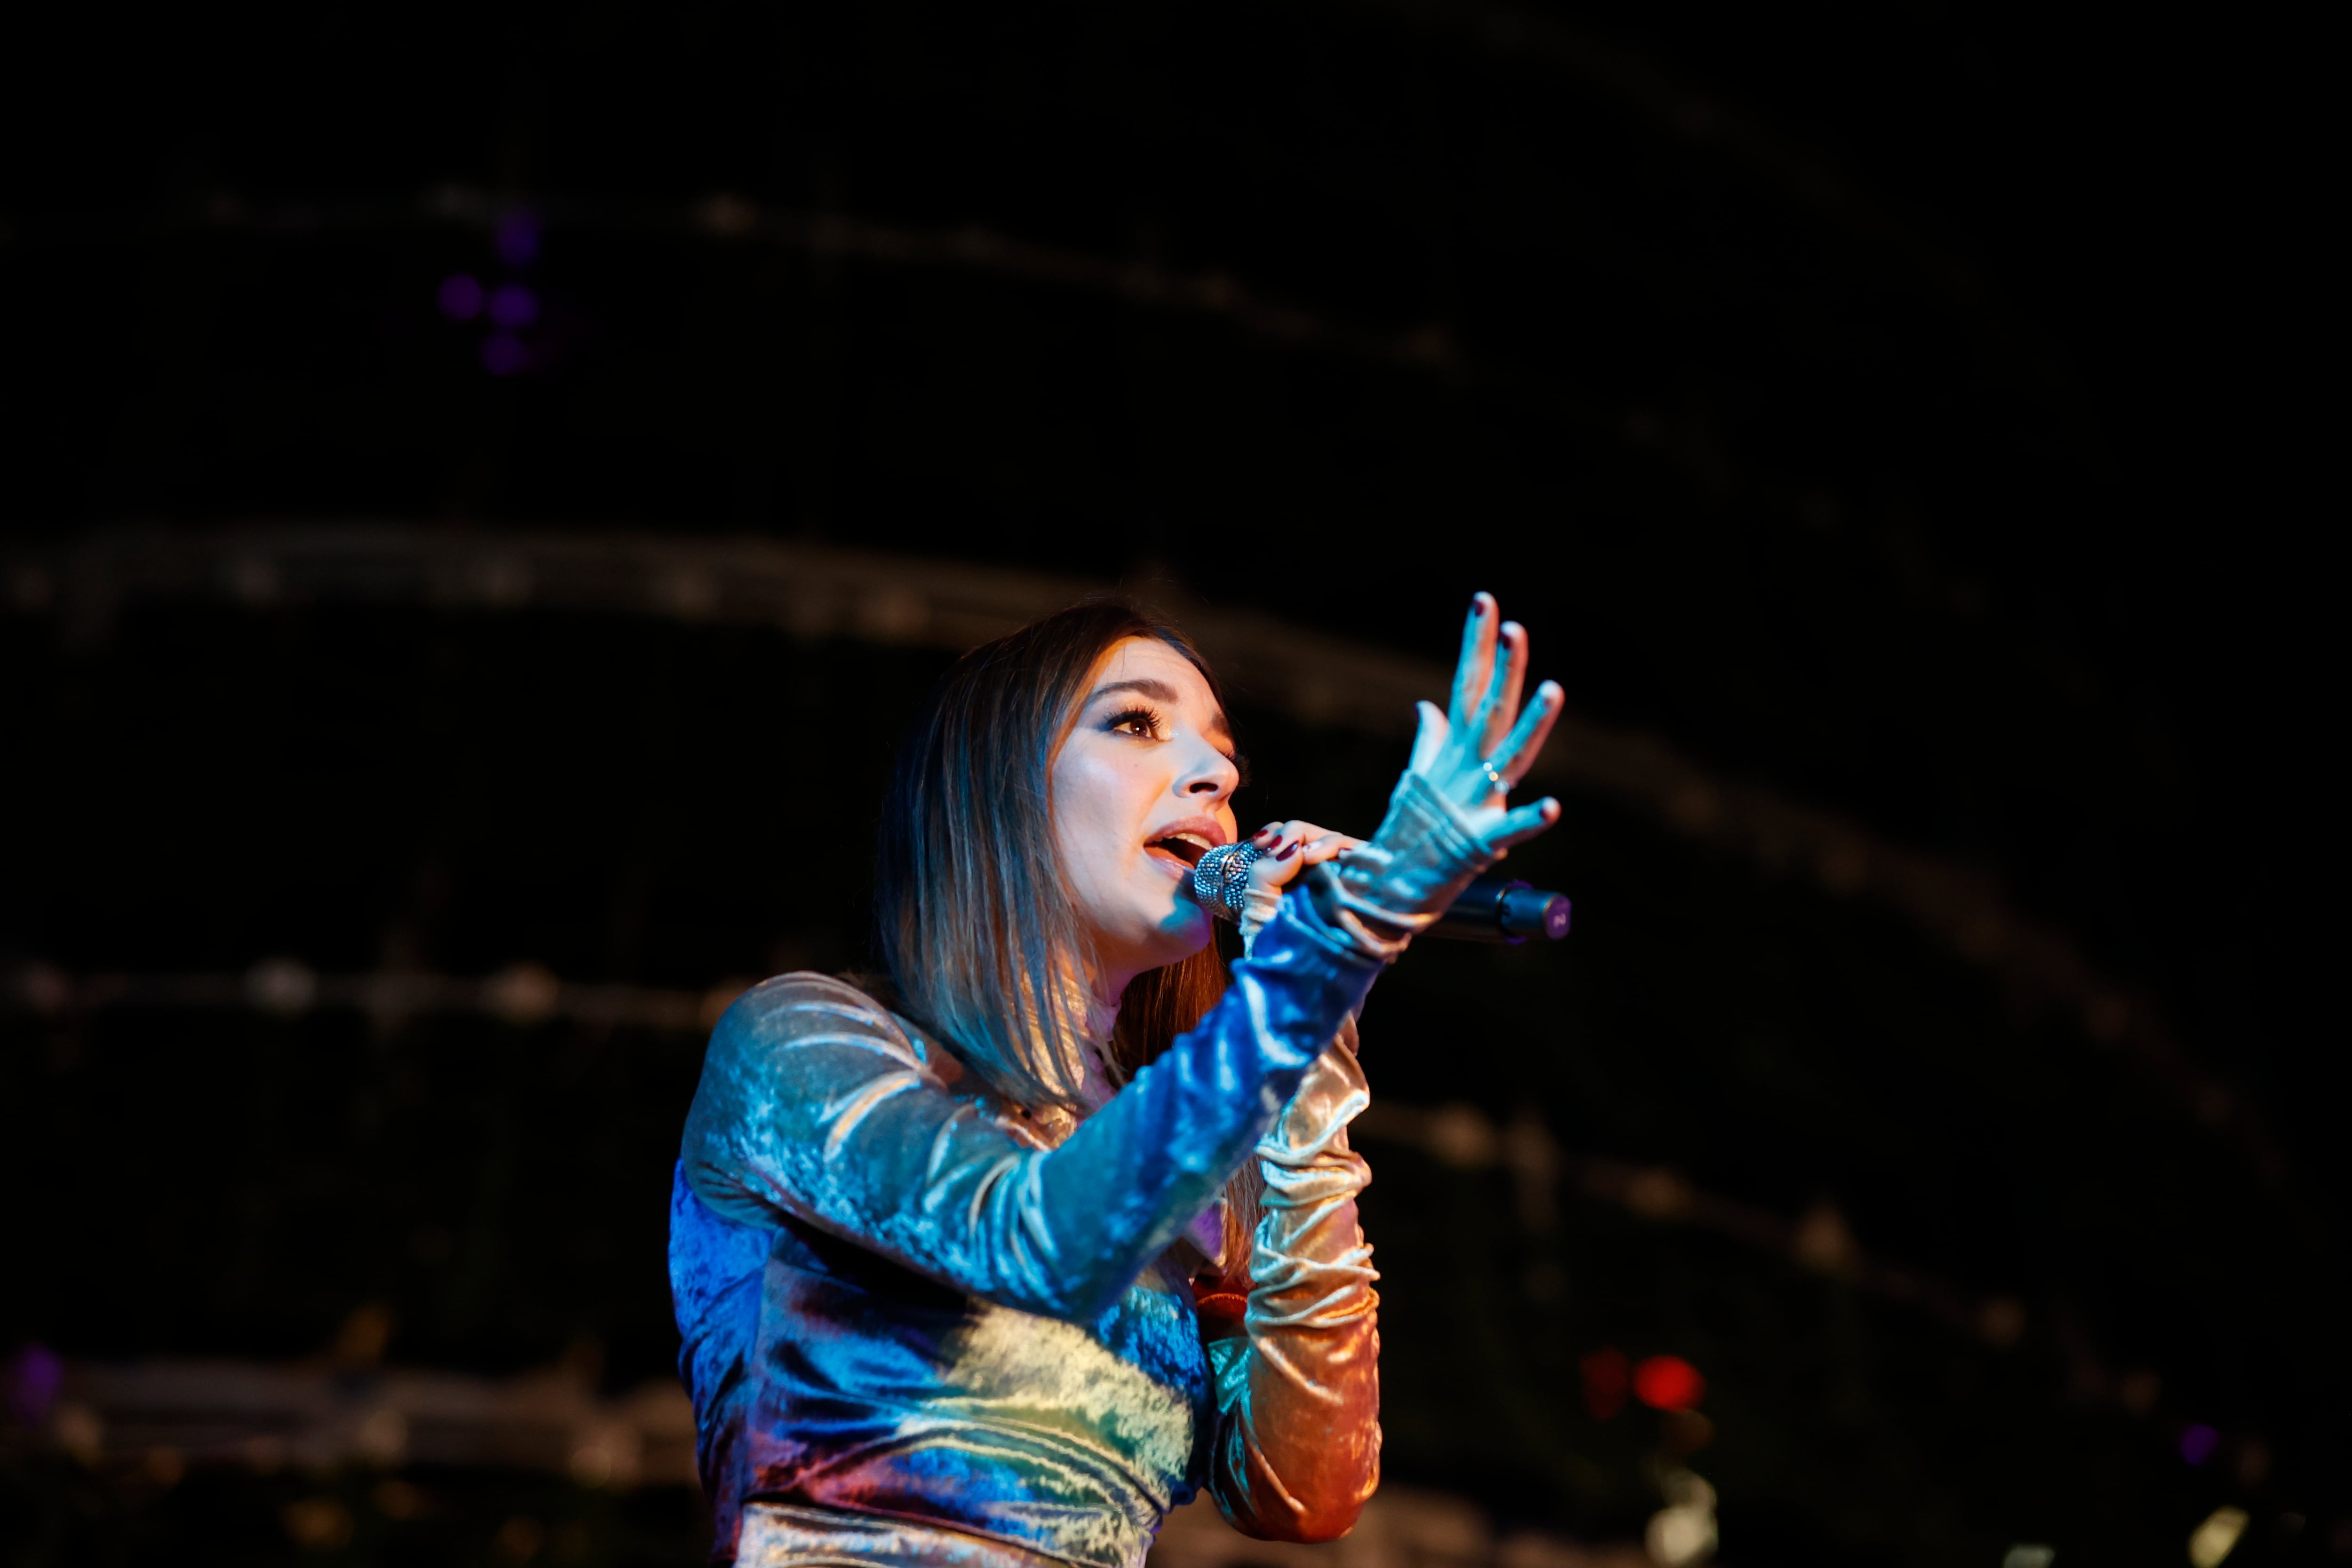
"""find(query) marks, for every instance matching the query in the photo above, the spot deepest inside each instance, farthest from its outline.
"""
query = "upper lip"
(1191, 837)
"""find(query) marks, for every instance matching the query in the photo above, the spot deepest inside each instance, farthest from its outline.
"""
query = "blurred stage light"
(1683, 1531)
(281, 986)
(2029, 1556)
(2197, 1442)
(2214, 1538)
(1687, 1431)
(318, 1524)
(523, 995)
(513, 307)
(1668, 1382)
(461, 297)
(1680, 1536)
(36, 1375)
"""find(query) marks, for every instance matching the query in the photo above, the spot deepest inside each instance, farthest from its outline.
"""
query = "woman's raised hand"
(1484, 744)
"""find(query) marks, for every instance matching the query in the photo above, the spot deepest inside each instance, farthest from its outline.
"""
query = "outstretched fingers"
(1521, 823)
(1473, 671)
(1502, 701)
(1520, 748)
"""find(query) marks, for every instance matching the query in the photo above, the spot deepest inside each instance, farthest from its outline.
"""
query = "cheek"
(1097, 808)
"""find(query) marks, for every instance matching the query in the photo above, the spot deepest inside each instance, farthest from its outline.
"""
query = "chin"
(1184, 930)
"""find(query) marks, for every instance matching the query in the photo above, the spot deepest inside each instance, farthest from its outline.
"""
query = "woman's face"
(1142, 787)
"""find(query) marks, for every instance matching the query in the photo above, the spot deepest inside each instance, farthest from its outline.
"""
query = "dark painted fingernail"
(1286, 853)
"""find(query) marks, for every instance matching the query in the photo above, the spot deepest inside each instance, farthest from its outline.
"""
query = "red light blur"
(1668, 1382)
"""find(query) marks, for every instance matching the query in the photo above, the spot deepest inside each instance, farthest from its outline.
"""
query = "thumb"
(1431, 739)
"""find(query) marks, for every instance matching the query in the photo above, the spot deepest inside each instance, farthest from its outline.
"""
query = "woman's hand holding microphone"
(1449, 818)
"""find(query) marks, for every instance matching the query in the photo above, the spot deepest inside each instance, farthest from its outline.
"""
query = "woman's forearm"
(852, 1128)
(1297, 1443)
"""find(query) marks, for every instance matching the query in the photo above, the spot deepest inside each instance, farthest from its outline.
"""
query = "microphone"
(1491, 909)
(1503, 909)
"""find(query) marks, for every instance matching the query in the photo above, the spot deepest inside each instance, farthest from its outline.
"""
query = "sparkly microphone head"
(1221, 879)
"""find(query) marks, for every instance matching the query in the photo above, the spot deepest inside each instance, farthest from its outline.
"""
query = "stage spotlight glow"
(2217, 1537)
(1683, 1531)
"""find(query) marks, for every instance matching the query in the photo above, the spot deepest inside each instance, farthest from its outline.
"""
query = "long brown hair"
(974, 925)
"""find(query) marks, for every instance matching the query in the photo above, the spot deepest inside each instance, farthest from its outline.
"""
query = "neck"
(1097, 1013)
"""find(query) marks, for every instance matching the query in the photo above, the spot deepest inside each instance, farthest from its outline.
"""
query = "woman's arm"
(813, 1102)
(1297, 1443)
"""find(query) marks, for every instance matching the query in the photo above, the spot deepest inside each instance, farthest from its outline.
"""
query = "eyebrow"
(1158, 690)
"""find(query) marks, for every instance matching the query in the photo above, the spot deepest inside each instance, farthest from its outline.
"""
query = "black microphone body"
(1491, 909)
(1503, 909)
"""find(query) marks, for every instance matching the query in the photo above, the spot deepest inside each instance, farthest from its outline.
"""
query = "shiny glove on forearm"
(1297, 1449)
(1425, 854)
(817, 1103)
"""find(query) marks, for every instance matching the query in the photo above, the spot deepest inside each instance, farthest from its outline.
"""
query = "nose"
(1211, 777)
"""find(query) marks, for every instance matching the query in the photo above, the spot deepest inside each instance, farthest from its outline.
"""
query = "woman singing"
(995, 1259)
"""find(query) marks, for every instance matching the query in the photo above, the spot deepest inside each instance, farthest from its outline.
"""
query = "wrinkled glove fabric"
(1297, 1449)
(1406, 875)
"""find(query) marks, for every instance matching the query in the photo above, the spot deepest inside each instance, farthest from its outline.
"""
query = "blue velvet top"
(908, 1310)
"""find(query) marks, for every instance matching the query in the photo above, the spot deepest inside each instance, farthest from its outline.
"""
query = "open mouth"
(1186, 847)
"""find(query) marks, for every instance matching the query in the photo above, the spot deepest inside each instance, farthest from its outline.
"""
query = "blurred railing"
(813, 591)
(158, 1420)
(171, 1415)
(1462, 1136)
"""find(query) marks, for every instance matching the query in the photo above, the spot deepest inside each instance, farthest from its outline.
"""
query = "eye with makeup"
(1142, 722)
(1146, 724)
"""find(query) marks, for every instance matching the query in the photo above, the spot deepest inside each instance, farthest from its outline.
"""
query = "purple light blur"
(517, 238)
(461, 297)
(35, 1375)
(2198, 1443)
(504, 355)
(513, 307)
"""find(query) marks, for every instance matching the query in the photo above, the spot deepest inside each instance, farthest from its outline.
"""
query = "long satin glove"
(815, 1103)
(1425, 854)
(1298, 1442)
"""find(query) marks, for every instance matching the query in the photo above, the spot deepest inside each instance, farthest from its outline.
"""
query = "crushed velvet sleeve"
(816, 1103)
(1296, 1451)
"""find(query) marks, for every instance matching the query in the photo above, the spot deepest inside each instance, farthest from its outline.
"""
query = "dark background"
(1899, 408)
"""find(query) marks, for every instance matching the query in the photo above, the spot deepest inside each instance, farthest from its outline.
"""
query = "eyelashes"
(1146, 723)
